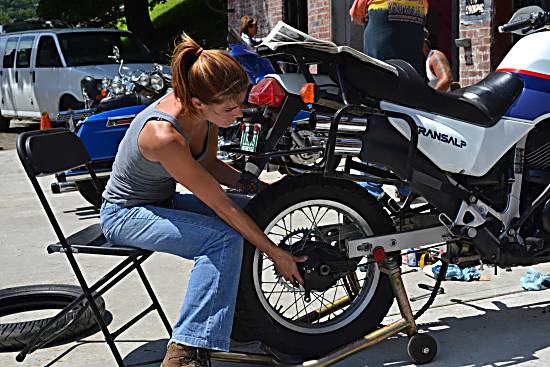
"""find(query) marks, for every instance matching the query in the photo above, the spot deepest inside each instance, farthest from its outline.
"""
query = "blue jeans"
(191, 230)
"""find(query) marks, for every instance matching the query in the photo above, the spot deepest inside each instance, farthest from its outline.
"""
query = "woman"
(175, 140)
(395, 29)
(249, 29)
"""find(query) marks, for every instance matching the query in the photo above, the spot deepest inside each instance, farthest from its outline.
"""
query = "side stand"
(422, 348)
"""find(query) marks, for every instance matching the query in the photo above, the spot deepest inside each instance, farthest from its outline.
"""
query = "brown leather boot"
(179, 355)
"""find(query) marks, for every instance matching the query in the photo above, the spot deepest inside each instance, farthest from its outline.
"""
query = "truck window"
(94, 48)
(47, 55)
(24, 52)
(9, 52)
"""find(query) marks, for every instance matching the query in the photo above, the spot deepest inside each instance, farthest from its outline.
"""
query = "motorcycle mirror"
(88, 85)
(522, 14)
(116, 53)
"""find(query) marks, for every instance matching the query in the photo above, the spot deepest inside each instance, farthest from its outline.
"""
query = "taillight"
(267, 92)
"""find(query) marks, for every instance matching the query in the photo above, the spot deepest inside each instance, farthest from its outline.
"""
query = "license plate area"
(250, 135)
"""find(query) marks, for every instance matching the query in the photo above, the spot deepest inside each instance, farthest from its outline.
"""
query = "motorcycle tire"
(255, 321)
(89, 193)
(18, 300)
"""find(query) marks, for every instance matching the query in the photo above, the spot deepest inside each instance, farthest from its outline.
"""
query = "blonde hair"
(209, 75)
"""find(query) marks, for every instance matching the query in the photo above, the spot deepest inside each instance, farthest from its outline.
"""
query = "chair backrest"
(45, 152)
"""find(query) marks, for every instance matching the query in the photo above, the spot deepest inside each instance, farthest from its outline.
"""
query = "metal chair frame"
(47, 152)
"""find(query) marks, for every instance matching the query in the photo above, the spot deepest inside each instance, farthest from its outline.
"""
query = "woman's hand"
(285, 263)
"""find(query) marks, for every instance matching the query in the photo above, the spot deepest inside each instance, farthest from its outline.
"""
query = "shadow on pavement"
(148, 354)
(85, 212)
(501, 336)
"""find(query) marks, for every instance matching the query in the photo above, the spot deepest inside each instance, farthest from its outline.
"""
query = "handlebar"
(534, 21)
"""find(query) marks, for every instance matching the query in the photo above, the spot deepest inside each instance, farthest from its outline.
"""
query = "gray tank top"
(134, 179)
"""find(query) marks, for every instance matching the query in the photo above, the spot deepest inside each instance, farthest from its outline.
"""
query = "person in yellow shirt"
(394, 29)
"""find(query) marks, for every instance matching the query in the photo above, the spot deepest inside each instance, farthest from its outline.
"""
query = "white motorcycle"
(479, 156)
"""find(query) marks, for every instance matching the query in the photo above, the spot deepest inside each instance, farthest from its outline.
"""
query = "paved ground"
(7, 139)
(490, 323)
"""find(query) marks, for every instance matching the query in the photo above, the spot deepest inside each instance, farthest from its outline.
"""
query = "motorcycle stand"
(421, 348)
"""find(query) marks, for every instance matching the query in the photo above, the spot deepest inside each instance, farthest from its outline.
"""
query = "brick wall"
(269, 12)
(319, 19)
(479, 28)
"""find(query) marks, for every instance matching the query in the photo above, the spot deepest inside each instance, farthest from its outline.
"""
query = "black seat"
(91, 240)
(46, 152)
(483, 103)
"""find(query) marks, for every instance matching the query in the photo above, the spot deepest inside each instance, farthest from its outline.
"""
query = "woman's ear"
(197, 104)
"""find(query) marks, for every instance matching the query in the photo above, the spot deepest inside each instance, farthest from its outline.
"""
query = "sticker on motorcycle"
(249, 136)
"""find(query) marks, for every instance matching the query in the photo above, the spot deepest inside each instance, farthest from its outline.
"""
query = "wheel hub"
(318, 271)
(324, 266)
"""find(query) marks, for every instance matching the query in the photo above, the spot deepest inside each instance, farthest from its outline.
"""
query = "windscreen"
(94, 48)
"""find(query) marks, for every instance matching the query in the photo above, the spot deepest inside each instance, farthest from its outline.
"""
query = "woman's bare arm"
(160, 142)
(222, 172)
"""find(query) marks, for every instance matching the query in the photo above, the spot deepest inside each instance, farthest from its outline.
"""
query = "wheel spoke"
(323, 223)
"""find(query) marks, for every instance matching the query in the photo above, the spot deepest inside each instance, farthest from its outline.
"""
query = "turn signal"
(308, 93)
(268, 92)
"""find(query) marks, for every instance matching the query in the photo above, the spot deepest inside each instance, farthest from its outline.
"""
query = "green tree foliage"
(16, 10)
(91, 13)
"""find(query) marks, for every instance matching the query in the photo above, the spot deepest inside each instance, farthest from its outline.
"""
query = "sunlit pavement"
(484, 323)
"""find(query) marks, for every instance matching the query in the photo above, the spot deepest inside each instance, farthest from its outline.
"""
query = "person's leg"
(206, 317)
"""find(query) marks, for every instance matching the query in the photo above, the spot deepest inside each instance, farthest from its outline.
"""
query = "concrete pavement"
(489, 323)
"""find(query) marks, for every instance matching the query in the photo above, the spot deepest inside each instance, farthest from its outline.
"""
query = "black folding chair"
(46, 152)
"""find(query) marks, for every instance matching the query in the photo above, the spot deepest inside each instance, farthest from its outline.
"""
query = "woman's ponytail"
(209, 75)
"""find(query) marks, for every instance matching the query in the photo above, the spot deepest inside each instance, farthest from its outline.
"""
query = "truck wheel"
(70, 103)
(4, 124)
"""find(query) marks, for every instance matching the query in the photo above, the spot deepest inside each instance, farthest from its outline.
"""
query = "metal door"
(7, 100)
(24, 79)
(344, 32)
(47, 67)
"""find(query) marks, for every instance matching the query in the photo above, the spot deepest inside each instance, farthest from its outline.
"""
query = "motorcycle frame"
(456, 202)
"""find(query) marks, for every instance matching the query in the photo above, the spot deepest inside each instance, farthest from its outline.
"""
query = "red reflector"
(267, 92)
(379, 254)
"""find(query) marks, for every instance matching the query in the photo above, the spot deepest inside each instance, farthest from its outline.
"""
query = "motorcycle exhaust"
(347, 125)
(343, 146)
(348, 146)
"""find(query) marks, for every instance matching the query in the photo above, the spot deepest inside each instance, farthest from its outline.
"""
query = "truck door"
(7, 100)
(24, 78)
(48, 64)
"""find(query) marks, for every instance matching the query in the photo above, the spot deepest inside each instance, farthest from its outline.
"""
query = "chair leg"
(89, 296)
(106, 333)
(153, 297)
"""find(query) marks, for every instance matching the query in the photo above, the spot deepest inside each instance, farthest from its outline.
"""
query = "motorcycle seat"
(483, 103)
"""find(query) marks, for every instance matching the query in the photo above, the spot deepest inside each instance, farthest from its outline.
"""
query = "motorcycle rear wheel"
(292, 329)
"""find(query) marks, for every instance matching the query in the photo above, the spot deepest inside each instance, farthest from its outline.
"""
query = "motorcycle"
(111, 106)
(479, 157)
(128, 88)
